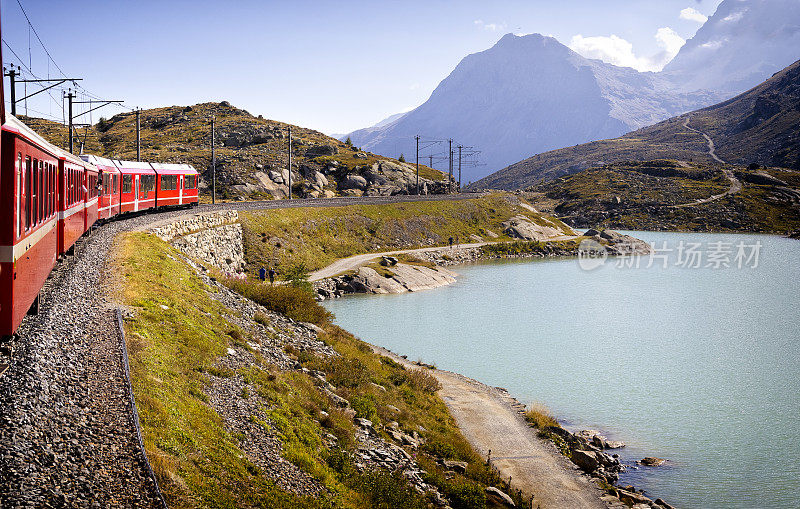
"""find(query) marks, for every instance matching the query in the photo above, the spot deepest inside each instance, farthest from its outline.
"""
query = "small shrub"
(345, 372)
(365, 408)
(292, 301)
(261, 318)
(540, 416)
(465, 495)
(402, 158)
(422, 381)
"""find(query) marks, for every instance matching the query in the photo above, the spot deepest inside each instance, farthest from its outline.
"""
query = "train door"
(136, 193)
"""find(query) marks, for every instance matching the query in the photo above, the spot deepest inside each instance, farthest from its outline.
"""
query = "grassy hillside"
(639, 196)
(248, 148)
(316, 237)
(187, 340)
(759, 126)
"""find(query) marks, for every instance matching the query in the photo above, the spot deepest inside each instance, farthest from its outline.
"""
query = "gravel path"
(491, 421)
(736, 185)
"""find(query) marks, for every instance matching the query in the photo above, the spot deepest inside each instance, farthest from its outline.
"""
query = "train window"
(147, 183)
(169, 182)
(190, 182)
(114, 183)
(40, 171)
(20, 202)
(28, 193)
(34, 191)
(126, 183)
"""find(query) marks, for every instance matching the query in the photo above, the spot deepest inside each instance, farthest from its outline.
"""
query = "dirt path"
(487, 418)
(736, 185)
(353, 262)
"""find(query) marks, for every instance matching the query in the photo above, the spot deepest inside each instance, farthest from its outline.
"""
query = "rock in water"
(652, 461)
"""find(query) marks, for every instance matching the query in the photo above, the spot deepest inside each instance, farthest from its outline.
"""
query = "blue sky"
(334, 66)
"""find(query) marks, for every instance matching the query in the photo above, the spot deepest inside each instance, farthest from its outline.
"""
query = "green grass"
(317, 237)
(197, 462)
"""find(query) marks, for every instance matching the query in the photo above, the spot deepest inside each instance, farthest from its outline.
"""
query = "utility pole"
(459, 167)
(290, 163)
(450, 173)
(213, 164)
(70, 97)
(12, 75)
(417, 138)
(138, 136)
(430, 163)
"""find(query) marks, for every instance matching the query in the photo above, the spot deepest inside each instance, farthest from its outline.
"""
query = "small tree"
(348, 142)
(402, 158)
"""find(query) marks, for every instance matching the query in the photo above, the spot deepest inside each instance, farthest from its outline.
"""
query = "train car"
(29, 215)
(76, 210)
(108, 186)
(90, 190)
(176, 184)
(138, 189)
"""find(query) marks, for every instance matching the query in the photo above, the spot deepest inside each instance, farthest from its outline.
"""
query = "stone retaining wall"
(195, 223)
(210, 238)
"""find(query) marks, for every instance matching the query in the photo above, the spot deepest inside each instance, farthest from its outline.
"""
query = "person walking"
(451, 242)
(262, 274)
(272, 276)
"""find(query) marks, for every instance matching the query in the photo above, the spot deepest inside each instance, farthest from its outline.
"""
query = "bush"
(297, 276)
(465, 495)
(294, 302)
(402, 158)
(365, 408)
(422, 381)
(540, 416)
(344, 372)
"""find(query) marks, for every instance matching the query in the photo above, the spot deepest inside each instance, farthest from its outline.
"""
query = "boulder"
(456, 466)
(651, 461)
(276, 177)
(521, 227)
(496, 497)
(322, 150)
(631, 498)
(353, 182)
(586, 460)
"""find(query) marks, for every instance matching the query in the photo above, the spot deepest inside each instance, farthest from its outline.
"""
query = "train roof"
(99, 161)
(134, 167)
(16, 125)
(174, 169)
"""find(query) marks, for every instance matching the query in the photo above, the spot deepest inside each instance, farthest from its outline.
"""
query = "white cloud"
(616, 50)
(733, 17)
(414, 86)
(492, 27)
(692, 14)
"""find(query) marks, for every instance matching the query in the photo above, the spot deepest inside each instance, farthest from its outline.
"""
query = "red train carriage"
(29, 198)
(138, 189)
(176, 184)
(90, 190)
(109, 186)
(77, 209)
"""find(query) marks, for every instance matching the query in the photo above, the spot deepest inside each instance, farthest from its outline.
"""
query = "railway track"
(67, 431)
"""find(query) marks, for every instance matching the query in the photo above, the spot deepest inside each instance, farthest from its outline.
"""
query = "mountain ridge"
(758, 126)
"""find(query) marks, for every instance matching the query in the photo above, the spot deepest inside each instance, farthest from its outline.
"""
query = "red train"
(49, 198)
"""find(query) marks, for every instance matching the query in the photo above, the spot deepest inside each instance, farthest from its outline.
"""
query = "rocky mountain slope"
(759, 126)
(530, 94)
(741, 45)
(252, 153)
(673, 195)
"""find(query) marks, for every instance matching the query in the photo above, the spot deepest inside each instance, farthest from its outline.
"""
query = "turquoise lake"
(696, 365)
